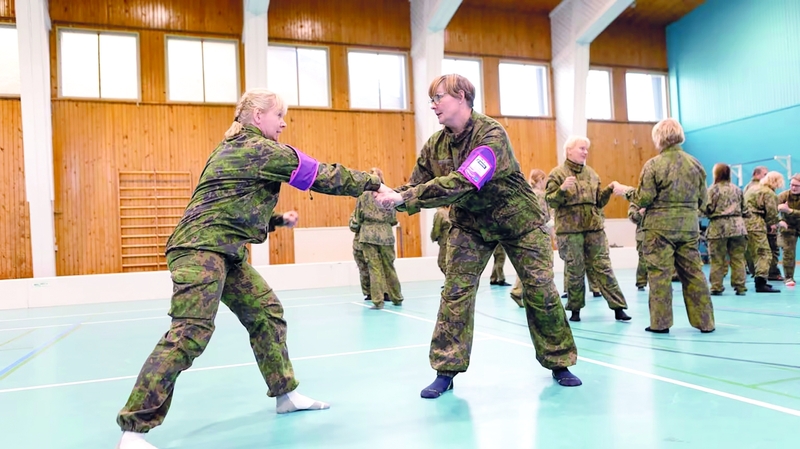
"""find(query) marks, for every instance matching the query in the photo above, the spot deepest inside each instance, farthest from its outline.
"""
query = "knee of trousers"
(190, 335)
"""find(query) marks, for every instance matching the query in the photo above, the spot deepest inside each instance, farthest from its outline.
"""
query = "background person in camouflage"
(758, 173)
(439, 233)
(789, 207)
(762, 205)
(358, 256)
(726, 232)
(672, 189)
(574, 192)
(498, 276)
(536, 179)
(376, 237)
(471, 165)
(232, 205)
(636, 215)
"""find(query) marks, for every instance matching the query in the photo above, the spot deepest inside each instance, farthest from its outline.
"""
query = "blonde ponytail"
(251, 100)
(235, 129)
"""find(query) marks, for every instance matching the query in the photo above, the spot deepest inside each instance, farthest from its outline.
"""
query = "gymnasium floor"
(66, 371)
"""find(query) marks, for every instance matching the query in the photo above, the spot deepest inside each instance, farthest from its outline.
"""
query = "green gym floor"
(66, 371)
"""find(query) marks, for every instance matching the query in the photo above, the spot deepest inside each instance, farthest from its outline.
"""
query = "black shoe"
(620, 315)
(641, 289)
(368, 298)
(708, 331)
(597, 294)
(438, 387)
(763, 287)
(657, 331)
(716, 293)
(565, 295)
(741, 293)
(575, 316)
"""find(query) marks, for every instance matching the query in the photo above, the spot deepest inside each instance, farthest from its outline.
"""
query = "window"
(377, 80)
(523, 90)
(647, 96)
(598, 95)
(98, 65)
(9, 61)
(299, 75)
(202, 70)
(471, 70)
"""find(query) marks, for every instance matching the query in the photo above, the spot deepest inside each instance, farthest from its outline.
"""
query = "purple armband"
(306, 172)
(479, 166)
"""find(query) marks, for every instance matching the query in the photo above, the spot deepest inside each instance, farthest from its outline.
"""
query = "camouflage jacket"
(672, 189)
(441, 227)
(725, 211)
(579, 209)
(234, 200)
(374, 223)
(504, 208)
(762, 203)
(791, 218)
(753, 183)
(636, 218)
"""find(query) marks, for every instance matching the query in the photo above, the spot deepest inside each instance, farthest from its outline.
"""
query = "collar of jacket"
(252, 129)
(672, 148)
(574, 166)
(466, 132)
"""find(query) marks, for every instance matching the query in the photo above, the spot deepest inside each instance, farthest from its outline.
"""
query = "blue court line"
(25, 358)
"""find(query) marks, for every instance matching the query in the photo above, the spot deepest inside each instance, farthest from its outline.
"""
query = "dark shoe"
(657, 331)
(438, 387)
(597, 294)
(565, 295)
(763, 287)
(575, 316)
(741, 293)
(566, 378)
(716, 293)
(368, 298)
(502, 284)
(708, 331)
(640, 288)
(620, 315)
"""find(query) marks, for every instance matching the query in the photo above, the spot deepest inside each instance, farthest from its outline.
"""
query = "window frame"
(479, 60)
(97, 32)
(12, 25)
(610, 71)
(548, 88)
(408, 87)
(327, 49)
(168, 36)
(666, 92)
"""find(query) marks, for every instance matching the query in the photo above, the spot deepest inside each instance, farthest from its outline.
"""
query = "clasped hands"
(619, 189)
(387, 198)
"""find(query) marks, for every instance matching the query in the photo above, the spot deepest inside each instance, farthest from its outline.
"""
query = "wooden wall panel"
(207, 17)
(496, 32)
(15, 231)
(533, 141)
(388, 145)
(373, 23)
(7, 9)
(628, 45)
(617, 153)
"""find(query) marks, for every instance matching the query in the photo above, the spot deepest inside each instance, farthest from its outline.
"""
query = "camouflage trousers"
(441, 260)
(498, 276)
(363, 269)
(720, 251)
(586, 252)
(665, 251)
(532, 257)
(789, 246)
(758, 247)
(201, 279)
(775, 254)
(641, 267)
(382, 275)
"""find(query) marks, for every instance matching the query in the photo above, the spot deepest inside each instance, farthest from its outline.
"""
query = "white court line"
(778, 408)
(125, 320)
(212, 368)
(81, 314)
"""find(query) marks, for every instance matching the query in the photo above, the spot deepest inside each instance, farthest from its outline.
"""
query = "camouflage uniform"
(726, 234)
(747, 256)
(641, 267)
(376, 238)
(789, 235)
(232, 205)
(503, 211)
(439, 233)
(672, 187)
(516, 291)
(358, 256)
(582, 242)
(498, 277)
(762, 204)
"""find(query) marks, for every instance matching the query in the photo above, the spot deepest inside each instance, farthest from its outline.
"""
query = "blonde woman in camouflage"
(470, 164)
(726, 232)
(376, 239)
(672, 189)
(232, 205)
(762, 204)
(789, 207)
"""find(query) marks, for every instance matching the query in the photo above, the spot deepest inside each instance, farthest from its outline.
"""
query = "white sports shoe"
(133, 440)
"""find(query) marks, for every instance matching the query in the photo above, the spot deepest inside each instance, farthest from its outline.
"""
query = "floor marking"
(36, 351)
(723, 394)
(125, 320)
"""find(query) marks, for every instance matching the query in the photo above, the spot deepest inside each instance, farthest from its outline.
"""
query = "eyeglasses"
(794, 185)
(436, 99)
